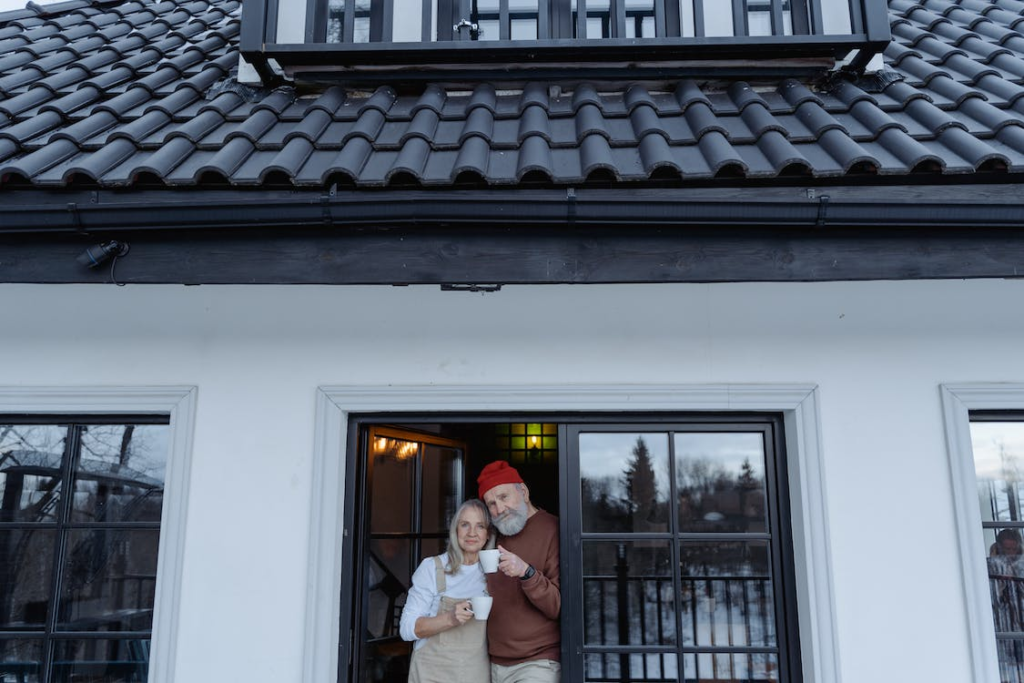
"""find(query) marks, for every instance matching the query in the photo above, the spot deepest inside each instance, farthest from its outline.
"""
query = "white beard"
(513, 521)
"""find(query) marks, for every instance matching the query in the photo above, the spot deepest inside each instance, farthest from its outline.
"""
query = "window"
(684, 562)
(80, 513)
(997, 441)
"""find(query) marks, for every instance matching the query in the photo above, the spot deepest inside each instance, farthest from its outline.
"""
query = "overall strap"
(439, 574)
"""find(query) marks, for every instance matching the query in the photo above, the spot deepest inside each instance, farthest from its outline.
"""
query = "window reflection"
(720, 478)
(30, 460)
(624, 480)
(109, 580)
(628, 593)
(998, 449)
(26, 558)
(101, 661)
(120, 474)
(727, 594)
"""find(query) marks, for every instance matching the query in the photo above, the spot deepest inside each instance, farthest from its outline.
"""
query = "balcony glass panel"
(631, 668)
(21, 660)
(726, 598)
(628, 595)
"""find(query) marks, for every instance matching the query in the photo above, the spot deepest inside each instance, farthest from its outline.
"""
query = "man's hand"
(511, 564)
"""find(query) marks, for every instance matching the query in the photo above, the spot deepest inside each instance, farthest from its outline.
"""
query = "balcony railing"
(411, 35)
(727, 629)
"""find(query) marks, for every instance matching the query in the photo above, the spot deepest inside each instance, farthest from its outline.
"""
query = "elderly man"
(523, 632)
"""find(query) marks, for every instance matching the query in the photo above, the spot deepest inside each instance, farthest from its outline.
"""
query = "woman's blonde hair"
(455, 555)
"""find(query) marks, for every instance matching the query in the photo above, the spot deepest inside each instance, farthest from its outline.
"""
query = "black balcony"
(353, 37)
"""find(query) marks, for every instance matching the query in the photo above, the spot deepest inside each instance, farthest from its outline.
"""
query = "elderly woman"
(450, 646)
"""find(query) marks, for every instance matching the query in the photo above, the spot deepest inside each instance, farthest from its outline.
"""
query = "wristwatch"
(530, 571)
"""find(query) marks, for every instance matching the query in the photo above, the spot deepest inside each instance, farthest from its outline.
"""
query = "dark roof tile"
(845, 151)
(719, 153)
(534, 122)
(702, 120)
(970, 148)
(143, 127)
(412, 158)
(40, 160)
(534, 156)
(229, 158)
(310, 128)
(589, 121)
(197, 128)
(585, 93)
(474, 155)
(909, 151)
(24, 102)
(480, 122)
(780, 152)
(423, 126)
(817, 120)
(595, 154)
(329, 101)
(96, 164)
(655, 154)
(81, 131)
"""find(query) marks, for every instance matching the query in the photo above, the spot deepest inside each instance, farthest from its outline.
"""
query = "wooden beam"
(518, 255)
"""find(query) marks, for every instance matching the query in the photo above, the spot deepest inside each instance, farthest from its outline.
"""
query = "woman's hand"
(463, 612)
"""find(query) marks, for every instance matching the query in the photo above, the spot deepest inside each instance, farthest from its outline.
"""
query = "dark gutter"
(41, 212)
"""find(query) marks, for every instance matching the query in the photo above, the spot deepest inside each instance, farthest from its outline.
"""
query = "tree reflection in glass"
(624, 480)
(720, 478)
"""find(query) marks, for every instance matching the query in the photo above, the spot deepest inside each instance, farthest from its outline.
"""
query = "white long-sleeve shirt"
(424, 600)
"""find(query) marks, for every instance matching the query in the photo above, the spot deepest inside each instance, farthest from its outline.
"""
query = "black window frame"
(571, 535)
(63, 525)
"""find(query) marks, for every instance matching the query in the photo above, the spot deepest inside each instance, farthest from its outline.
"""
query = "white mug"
(481, 606)
(489, 560)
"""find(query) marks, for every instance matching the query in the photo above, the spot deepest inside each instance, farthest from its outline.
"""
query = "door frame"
(359, 514)
(326, 649)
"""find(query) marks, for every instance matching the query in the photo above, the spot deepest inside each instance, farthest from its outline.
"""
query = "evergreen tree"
(641, 488)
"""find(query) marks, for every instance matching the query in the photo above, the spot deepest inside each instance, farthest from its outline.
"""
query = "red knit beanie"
(498, 472)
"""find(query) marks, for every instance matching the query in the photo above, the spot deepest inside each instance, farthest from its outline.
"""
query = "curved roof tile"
(144, 87)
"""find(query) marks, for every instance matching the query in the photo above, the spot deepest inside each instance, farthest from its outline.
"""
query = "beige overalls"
(458, 655)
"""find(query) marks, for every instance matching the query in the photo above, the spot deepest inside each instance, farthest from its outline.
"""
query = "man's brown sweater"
(523, 624)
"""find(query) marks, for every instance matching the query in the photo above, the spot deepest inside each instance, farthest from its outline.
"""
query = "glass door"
(683, 568)
(414, 484)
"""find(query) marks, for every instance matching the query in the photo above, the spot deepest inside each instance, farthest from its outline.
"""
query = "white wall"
(877, 350)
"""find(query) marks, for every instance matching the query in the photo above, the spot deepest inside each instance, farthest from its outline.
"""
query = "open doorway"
(416, 475)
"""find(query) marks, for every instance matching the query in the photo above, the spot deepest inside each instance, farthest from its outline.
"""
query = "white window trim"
(797, 402)
(179, 403)
(957, 401)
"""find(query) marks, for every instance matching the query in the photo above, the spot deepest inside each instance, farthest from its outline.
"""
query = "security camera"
(98, 254)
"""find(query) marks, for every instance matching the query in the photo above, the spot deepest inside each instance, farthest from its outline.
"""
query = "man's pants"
(537, 671)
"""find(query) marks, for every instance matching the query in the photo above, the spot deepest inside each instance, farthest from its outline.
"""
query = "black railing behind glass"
(623, 611)
(1007, 592)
